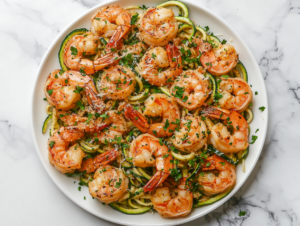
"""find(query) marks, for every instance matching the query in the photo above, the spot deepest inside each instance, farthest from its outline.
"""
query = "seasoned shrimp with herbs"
(157, 105)
(236, 94)
(159, 66)
(117, 82)
(217, 175)
(191, 136)
(191, 88)
(217, 59)
(231, 137)
(158, 26)
(150, 111)
(171, 203)
(111, 21)
(109, 184)
(143, 150)
(62, 90)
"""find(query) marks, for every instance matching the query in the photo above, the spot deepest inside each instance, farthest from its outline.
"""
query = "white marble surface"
(271, 194)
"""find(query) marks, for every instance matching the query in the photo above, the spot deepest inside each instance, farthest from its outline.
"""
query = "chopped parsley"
(254, 138)
(262, 108)
(134, 18)
(79, 104)
(51, 144)
(50, 91)
(73, 51)
(167, 124)
(242, 213)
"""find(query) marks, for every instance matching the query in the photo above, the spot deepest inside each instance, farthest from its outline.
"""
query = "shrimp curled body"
(218, 175)
(236, 94)
(221, 138)
(142, 150)
(158, 26)
(169, 206)
(195, 88)
(109, 184)
(157, 105)
(192, 134)
(158, 58)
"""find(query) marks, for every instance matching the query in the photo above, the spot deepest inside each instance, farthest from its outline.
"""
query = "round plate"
(201, 16)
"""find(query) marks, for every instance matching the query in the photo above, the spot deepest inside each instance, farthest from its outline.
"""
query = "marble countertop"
(271, 194)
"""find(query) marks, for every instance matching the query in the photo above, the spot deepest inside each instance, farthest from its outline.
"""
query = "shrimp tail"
(215, 112)
(104, 61)
(136, 118)
(174, 56)
(92, 164)
(95, 102)
(158, 178)
(115, 39)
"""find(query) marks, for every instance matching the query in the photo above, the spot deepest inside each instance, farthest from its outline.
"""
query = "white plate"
(201, 16)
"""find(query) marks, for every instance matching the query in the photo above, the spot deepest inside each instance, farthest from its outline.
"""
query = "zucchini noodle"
(165, 90)
(250, 115)
(183, 157)
(54, 125)
(142, 202)
(49, 109)
(203, 33)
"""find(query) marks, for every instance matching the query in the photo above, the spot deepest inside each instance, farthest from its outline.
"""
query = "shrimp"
(217, 176)
(158, 26)
(221, 138)
(142, 149)
(236, 92)
(168, 205)
(111, 124)
(111, 21)
(92, 164)
(158, 58)
(156, 105)
(109, 184)
(218, 60)
(78, 47)
(117, 127)
(64, 158)
(192, 134)
(191, 88)
(117, 83)
(62, 90)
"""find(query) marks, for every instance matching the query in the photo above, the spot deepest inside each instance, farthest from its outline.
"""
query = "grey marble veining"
(271, 196)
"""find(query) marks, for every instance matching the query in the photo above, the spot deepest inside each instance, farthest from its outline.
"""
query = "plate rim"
(181, 220)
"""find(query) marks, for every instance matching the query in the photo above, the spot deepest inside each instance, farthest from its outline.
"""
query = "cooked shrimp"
(217, 176)
(77, 47)
(192, 134)
(142, 150)
(191, 88)
(64, 158)
(157, 105)
(168, 205)
(111, 21)
(158, 26)
(117, 83)
(82, 123)
(109, 184)
(221, 138)
(218, 60)
(158, 58)
(92, 164)
(60, 90)
(117, 127)
(236, 92)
